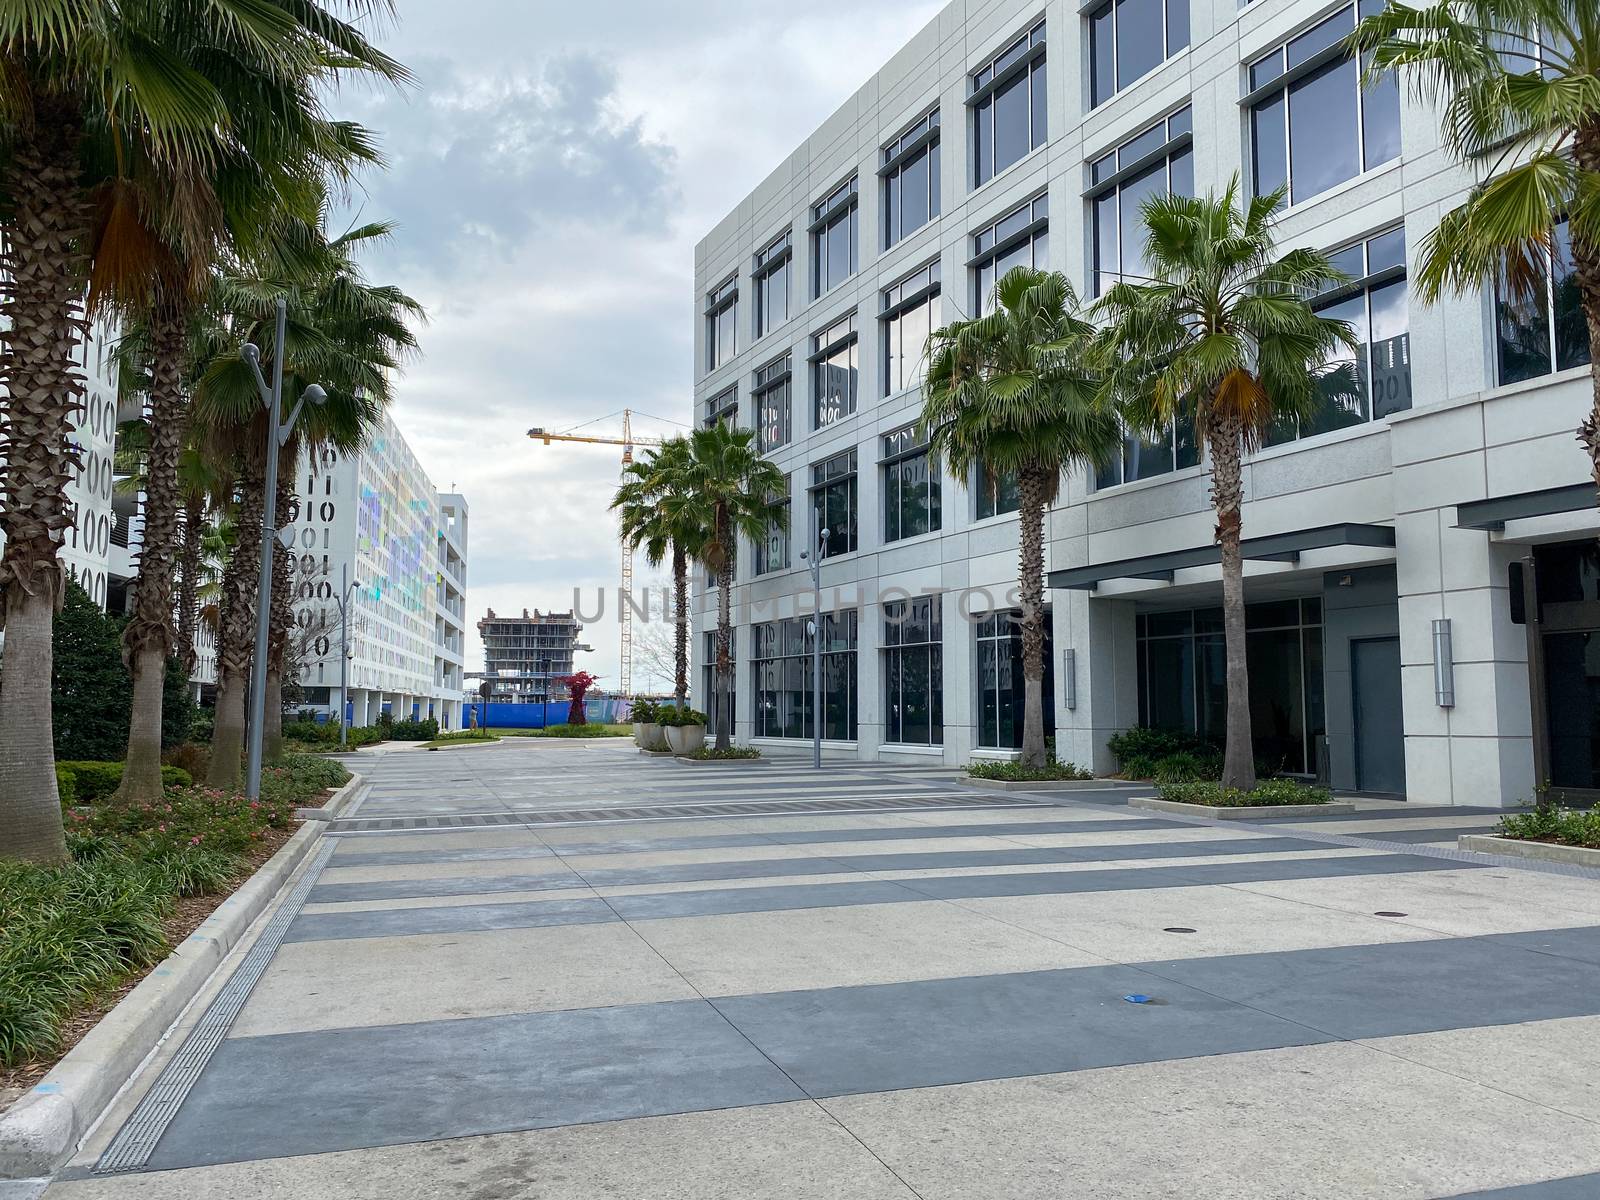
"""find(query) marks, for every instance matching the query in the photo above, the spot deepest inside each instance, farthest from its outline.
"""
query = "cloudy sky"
(551, 173)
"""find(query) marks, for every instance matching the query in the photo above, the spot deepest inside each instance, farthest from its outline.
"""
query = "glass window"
(770, 280)
(834, 247)
(1317, 126)
(709, 676)
(1374, 381)
(722, 307)
(833, 502)
(1021, 238)
(834, 360)
(910, 486)
(1130, 38)
(913, 671)
(911, 180)
(723, 408)
(772, 551)
(781, 664)
(996, 494)
(1545, 331)
(772, 393)
(1001, 697)
(910, 314)
(1114, 211)
(1008, 106)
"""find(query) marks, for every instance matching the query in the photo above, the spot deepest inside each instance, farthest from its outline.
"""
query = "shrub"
(93, 782)
(65, 788)
(189, 757)
(643, 712)
(201, 726)
(680, 716)
(1266, 794)
(1548, 823)
(732, 752)
(1187, 765)
(1015, 772)
(177, 706)
(408, 731)
(91, 692)
(1148, 743)
(296, 778)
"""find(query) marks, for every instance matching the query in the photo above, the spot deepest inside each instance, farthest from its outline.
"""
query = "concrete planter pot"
(650, 736)
(1252, 812)
(685, 739)
(638, 734)
(1488, 843)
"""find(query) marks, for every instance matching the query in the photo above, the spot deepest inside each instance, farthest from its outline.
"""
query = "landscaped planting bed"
(1268, 793)
(1558, 826)
(74, 938)
(1015, 772)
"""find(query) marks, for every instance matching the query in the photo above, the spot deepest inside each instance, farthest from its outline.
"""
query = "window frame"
(722, 405)
(985, 83)
(777, 255)
(719, 300)
(767, 379)
(1114, 9)
(842, 203)
(762, 559)
(895, 301)
(1552, 320)
(1178, 136)
(822, 481)
(896, 648)
(920, 137)
(786, 640)
(893, 489)
(824, 345)
(999, 248)
(1279, 85)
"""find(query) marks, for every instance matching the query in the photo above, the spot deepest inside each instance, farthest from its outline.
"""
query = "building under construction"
(523, 656)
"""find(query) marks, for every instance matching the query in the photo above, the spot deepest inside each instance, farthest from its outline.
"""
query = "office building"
(1389, 539)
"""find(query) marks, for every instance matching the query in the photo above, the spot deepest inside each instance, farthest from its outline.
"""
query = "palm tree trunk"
(680, 624)
(236, 635)
(41, 330)
(147, 638)
(1227, 498)
(1586, 261)
(724, 634)
(1030, 581)
(282, 619)
(189, 582)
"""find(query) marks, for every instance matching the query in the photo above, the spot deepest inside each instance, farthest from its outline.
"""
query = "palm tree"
(94, 96)
(1011, 392)
(1516, 83)
(731, 490)
(659, 513)
(1222, 336)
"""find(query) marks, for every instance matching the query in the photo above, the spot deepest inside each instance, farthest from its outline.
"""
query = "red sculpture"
(580, 684)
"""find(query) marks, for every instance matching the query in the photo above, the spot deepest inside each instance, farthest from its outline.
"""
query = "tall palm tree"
(1516, 81)
(660, 514)
(1011, 392)
(1222, 336)
(95, 94)
(731, 491)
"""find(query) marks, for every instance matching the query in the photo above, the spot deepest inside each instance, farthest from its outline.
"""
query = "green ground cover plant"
(1016, 772)
(732, 752)
(70, 934)
(1548, 823)
(1266, 794)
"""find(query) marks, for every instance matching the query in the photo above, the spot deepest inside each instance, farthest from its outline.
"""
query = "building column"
(870, 717)
(1103, 637)
(958, 659)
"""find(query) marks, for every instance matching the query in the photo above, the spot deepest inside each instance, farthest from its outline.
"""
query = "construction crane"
(627, 441)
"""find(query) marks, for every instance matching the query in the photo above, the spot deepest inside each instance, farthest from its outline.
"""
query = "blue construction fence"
(610, 711)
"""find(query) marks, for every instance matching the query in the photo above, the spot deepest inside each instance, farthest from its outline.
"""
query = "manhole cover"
(1388, 914)
(1177, 929)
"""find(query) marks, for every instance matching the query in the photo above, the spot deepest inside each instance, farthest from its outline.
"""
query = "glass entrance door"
(1564, 667)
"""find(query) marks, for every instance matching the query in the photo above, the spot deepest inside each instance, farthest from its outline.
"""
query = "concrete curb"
(1251, 812)
(1046, 785)
(463, 745)
(721, 762)
(336, 804)
(656, 753)
(44, 1127)
(1488, 843)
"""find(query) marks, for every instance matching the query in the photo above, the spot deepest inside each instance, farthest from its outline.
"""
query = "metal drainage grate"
(656, 812)
(136, 1140)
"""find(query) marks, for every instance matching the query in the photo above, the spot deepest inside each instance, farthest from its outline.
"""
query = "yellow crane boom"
(627, 441)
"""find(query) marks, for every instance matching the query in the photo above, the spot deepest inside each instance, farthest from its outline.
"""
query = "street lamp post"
(816, 645)
(349, 585)
(277, 435)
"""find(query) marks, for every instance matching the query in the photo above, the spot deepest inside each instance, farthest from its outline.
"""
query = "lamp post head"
(315, 394)
(250, 354)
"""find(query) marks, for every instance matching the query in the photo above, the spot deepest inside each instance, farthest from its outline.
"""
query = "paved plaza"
(568, 972)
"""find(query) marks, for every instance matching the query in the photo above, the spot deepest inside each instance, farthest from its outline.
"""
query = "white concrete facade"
(1464, 436)
(372, 519)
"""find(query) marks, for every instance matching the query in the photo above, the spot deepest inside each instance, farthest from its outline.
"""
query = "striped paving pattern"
(926, 1000)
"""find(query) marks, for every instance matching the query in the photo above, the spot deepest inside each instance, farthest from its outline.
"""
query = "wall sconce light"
(1444, 667)
(1069, 672)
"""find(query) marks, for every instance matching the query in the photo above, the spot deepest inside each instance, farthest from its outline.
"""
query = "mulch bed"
(187, 916)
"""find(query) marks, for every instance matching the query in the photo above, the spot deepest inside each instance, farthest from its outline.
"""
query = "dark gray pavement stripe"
(354, 855)
(709, 902)
(455, 885)
(465, 918)
(267, 1097)
(1573, 1187)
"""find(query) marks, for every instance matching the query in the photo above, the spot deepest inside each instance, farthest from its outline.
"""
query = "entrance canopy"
(1275, 547)
(1493, 513)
